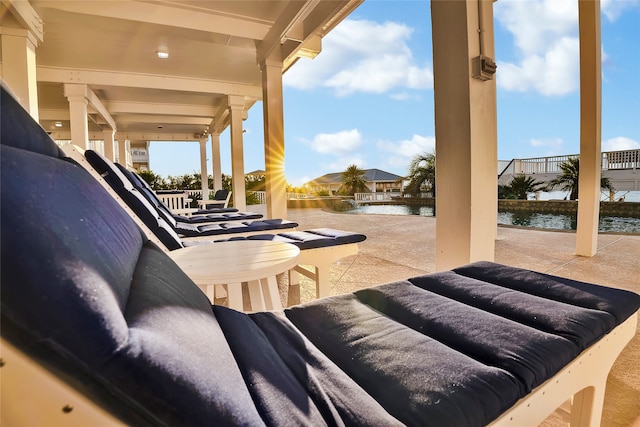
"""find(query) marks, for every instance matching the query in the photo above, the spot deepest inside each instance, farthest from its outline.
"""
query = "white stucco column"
(123, 148)
(204, 176)
(236, 110)
(109, 139)
(19, 66)
(466, 134)
(273, 112)
(216, 167)
(78, 101)
(590, 128)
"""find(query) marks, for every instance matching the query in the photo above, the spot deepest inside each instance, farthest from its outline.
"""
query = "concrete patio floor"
(399, 247)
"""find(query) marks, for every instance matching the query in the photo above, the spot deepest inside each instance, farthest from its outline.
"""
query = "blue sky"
(368, 97)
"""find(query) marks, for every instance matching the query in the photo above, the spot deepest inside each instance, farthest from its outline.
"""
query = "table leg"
(256, 295)
(234, 296)
(210, 293)
(270, 291)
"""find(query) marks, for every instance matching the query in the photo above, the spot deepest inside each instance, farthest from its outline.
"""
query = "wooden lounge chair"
(100, 327)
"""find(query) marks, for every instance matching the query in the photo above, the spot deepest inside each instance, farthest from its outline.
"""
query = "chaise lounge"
(99, 326)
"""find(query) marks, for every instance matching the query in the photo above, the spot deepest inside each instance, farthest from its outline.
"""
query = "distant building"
(377, 181)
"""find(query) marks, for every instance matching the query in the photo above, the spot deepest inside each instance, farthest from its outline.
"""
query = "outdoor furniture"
(177, 202)
(220, 200)
(131, 195)
(211, 215)
(319, 247)
(101, 326)
(231, 263)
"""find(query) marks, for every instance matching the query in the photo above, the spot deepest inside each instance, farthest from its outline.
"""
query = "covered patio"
(184, 71)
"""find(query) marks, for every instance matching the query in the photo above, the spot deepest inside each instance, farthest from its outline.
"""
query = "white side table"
(231, 263)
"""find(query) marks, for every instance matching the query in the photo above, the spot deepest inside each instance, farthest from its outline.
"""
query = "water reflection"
(522, 219)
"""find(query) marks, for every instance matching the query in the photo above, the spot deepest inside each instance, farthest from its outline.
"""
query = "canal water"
(522, 219)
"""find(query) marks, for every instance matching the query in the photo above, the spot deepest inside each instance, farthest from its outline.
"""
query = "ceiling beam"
(200, 19)
(53, 114)
(293, 12)
(146, 81)
(163, 120)
(95, 102)
(27, 16)
(126, 107)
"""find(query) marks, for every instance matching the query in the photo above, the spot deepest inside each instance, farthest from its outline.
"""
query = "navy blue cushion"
(417, 379)
(216, 229)
(448, 349)
(144, 189)
(310, 239)
(147, 213)
(19, 130)
(41, 222)
(619, 304)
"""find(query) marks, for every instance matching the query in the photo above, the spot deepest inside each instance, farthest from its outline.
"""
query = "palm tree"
(422, 173)
(568, 181)
(353, 181)
(521, 185)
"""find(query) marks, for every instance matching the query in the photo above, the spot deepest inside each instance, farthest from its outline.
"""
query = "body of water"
(523, 219)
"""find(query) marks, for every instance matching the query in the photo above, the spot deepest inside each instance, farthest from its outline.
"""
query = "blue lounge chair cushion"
(210, 215)
(310, 239)
(157, 218)
(450, 357)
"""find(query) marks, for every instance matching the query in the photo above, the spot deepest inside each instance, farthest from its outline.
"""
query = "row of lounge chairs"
(111, 331)
(319, 247)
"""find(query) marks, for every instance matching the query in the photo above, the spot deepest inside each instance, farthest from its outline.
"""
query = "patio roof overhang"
(215, 49)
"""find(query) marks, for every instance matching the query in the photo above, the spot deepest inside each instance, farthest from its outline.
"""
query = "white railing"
(178, 203)
(540, 165)
(611, 160)
(628, 159)
(261, 195)
(373, 197)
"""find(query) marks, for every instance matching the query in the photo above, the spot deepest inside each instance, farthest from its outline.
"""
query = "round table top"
(235, 261)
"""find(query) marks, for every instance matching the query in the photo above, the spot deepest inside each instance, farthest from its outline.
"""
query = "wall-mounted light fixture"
(58, 124)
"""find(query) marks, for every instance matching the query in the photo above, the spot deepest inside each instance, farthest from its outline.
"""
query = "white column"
(19, 66)
(590, 128)
(272, 107)
(216, 167)
(109, 138)
(123, 148)
(77, 96)
(204, 176)
(466, 135)
(236, 109)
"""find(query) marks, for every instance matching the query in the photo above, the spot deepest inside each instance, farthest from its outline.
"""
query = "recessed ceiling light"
(160, 127)
(58, 124)
(162, 54)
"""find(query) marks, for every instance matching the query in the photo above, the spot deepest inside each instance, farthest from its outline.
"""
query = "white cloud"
(545, 33)
(612, 9)
(553, 145)
(620, 143)
(338, 143)
(362, 56)
(401, 152)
